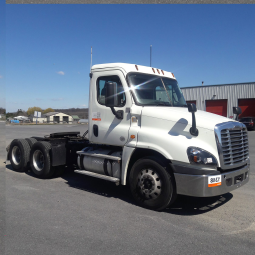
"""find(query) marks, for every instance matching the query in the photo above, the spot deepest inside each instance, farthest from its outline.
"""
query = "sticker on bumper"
(214, 181)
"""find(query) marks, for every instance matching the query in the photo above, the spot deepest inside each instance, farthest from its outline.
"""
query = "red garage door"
(217, 107)
(247, 106)
(191, 102)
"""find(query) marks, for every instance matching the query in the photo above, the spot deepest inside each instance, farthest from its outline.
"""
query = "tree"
(32, 109)
(48, 110)
(9, 115)
(20, 112)
(2, 110)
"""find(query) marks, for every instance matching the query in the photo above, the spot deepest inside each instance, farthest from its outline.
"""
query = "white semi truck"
(143, 134)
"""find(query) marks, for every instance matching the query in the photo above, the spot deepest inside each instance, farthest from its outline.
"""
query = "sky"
(47, 47)
(2, 55)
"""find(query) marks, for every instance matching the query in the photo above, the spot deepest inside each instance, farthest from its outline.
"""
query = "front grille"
(235, 148)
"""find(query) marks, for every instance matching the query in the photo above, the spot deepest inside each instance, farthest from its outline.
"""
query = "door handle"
(95, 130)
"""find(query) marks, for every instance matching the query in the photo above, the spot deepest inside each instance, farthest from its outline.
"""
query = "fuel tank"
(100, 161)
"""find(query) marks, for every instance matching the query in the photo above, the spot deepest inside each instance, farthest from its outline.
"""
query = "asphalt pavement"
(76, 214)
(129, 1)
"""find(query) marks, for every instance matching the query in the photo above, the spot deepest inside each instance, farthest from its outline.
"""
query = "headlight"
(201, 157)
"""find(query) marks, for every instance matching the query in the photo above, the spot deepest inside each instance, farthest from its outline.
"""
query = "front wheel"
(152, 186)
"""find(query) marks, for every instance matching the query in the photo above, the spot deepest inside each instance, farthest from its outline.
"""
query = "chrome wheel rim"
(149, 184)
(38, 160)
(16, 155)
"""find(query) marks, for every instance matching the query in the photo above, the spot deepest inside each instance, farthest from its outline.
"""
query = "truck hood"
(182, 115)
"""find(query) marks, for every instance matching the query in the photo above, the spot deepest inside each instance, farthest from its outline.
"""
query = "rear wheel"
(152, 186)
(19, 154)
(40, 161)
(31, 141)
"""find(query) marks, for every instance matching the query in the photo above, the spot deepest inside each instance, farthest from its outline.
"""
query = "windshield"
(155, 90)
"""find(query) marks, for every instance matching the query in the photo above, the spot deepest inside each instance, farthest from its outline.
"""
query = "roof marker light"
(162, 72)
(173, 74)
(158, 71)
(136, 67)
(153, 70)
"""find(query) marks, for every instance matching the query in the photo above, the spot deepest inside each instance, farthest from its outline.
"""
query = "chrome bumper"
(197, 185)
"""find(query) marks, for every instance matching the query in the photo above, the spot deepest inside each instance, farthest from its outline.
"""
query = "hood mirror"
(237, 111)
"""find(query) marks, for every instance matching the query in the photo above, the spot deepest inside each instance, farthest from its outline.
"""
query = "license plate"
(214, 180)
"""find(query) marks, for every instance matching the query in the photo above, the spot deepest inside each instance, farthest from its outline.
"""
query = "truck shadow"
(184, 205)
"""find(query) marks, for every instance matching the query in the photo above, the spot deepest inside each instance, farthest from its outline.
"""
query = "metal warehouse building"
(220, 99)
(58, 117)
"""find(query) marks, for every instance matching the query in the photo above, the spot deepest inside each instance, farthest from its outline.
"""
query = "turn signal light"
(132, 136)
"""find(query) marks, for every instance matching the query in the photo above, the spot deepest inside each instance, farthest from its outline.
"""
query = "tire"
(40, 161)
(31, 141)
(151, 185)
(19, 154)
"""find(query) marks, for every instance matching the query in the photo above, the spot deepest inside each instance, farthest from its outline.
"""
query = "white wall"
(61, 115)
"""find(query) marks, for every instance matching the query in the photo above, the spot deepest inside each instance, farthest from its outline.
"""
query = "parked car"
(249, 122)
(83, 121)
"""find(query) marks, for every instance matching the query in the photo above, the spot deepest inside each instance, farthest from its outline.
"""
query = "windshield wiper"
(162, 103)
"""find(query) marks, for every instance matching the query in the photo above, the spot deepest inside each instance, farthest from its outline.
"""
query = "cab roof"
(133, 68)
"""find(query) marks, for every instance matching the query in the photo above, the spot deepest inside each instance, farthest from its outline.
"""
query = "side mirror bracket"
(193, 130)
(118, 114)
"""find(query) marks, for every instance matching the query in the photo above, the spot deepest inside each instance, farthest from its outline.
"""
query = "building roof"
(132, 68)
(51, 113)
(231, 84)
(75, 117)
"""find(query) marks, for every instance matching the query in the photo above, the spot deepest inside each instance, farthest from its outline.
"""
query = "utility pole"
(91, 59)
(150, 54)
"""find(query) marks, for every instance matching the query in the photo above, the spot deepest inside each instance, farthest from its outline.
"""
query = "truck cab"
(143, 133)
(156, 121)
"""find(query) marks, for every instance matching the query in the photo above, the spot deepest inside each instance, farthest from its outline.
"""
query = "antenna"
(91, 59)
(150, 54)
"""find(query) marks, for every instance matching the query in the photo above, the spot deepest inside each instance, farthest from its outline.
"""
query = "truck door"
(104, 127)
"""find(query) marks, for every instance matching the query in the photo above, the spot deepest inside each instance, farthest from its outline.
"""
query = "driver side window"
(101, 81)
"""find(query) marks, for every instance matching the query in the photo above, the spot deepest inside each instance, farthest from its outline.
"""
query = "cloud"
(61, 73)
(57, 99)
(83, 105)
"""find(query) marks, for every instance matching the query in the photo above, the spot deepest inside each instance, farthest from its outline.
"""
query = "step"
(100, 176)
(99, 155)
